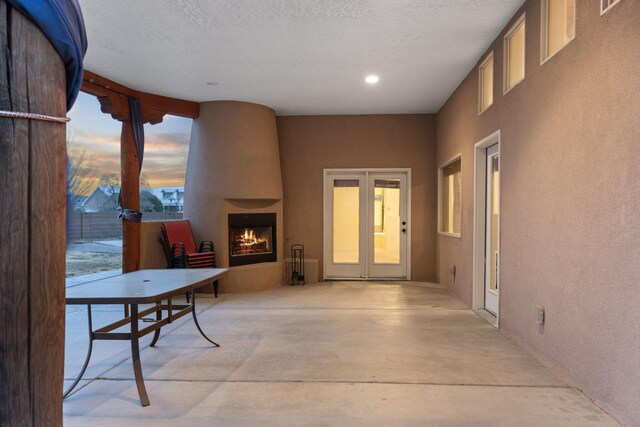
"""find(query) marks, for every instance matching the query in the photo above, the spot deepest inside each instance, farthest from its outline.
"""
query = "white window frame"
(608, 8)
(457, 158)
(507, 38)
(544, 20)
(484, 62)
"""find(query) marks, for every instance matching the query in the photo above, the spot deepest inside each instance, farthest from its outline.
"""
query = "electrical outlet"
(540, 320)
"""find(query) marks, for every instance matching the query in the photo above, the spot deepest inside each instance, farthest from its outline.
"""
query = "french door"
(492, 230)
(366, 232)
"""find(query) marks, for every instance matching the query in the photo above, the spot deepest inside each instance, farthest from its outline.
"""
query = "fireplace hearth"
(252, 238)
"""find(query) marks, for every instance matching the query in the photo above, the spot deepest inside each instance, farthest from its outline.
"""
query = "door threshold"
(488, 317)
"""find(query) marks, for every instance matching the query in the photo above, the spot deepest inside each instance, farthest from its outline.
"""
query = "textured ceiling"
(296, 56)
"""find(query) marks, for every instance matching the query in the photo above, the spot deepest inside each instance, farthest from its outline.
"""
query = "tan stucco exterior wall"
(309, 144)
(570, 226)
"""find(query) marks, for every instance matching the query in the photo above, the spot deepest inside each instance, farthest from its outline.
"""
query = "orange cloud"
(98, 136)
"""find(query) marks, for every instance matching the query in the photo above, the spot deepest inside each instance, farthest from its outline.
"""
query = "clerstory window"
(605, 5)
(485, 84)
(558, 26)
(514, 55)
(450, 198)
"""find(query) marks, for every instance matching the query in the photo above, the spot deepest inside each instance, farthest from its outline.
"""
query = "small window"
(605, 5)
(558, 25)
(450, 211)
(514, 54)
(485, 96)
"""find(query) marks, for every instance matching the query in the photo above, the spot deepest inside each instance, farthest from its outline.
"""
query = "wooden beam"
(32, 226)
(154, 107)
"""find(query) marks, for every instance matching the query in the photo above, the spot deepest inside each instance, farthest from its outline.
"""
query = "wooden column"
(130, 192)
(32, 226)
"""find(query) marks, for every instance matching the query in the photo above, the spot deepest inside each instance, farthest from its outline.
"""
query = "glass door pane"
(386, 221)
(492, 230)
(494, 213)
(346, 221)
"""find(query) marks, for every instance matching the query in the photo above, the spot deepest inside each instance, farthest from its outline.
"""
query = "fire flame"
(249, 241)
(250, 237)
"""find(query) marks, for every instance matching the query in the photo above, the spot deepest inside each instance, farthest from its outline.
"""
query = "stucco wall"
(234, 167)
(570, 226)
(309, 144)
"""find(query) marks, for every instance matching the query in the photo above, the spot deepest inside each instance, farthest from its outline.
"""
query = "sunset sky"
(98, 135)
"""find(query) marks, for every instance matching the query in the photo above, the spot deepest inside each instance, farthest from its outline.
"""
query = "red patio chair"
(180, 248)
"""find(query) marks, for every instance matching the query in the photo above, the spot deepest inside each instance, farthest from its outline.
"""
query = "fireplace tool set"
(295, 266)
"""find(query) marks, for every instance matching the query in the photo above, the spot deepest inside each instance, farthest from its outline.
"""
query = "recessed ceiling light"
(372, 79)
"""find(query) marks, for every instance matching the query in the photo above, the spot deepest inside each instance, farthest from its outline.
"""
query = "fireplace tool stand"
(295, 266)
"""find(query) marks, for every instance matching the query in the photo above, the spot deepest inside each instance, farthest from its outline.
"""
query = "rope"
(131, 215)
(32, 116)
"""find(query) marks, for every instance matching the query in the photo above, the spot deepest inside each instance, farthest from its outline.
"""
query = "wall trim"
(543, 32)
(505, 53)
(608, 8)
(439, 196)
(487, 58)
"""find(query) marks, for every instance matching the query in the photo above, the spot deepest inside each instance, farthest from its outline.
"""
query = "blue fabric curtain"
(61, 22)
(135, 111)
(138, 127)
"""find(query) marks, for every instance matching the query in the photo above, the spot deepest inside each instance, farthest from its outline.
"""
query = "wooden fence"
(104, 225)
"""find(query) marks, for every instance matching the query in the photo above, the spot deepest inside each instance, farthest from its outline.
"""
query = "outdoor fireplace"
(252, 238)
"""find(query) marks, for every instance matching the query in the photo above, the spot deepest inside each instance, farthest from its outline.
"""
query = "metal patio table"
(157, 287)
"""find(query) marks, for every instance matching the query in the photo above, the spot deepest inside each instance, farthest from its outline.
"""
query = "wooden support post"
(32, 226)
(130, 192)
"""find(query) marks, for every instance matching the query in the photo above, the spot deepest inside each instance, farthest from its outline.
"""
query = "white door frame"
(384, 270)
(358, 270)
(479, 218)
(366, 171)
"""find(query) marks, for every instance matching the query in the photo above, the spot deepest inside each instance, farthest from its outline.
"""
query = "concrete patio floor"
(332, 354)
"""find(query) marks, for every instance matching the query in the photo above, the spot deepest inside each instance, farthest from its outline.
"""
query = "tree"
(80, 181)
(144, 182)
(149, 202)
(112, 181)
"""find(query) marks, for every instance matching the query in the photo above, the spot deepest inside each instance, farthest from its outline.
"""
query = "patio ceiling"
(296, 56)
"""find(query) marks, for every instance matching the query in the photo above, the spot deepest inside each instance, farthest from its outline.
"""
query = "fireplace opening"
(252, 238)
